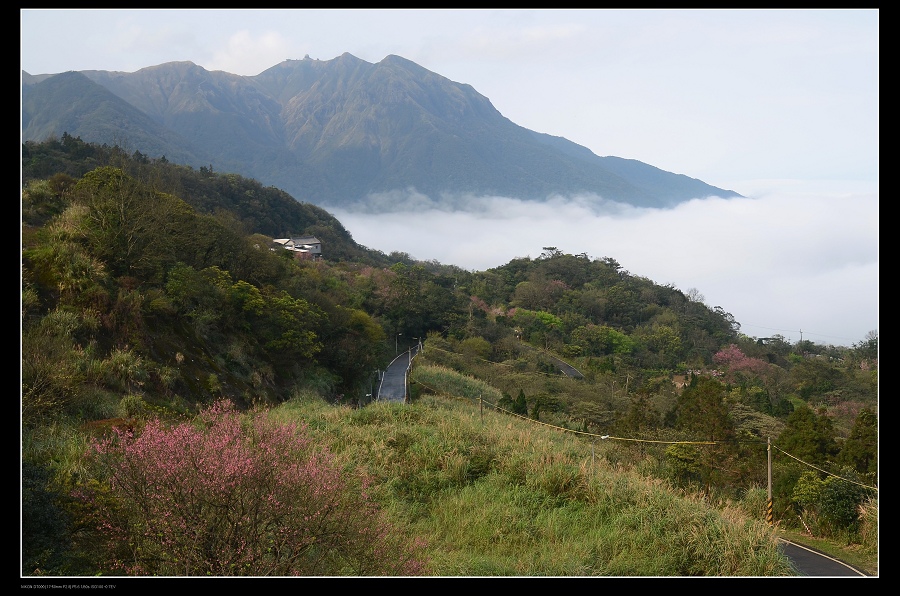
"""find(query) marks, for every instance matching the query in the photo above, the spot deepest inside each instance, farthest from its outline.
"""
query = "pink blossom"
(225, 495)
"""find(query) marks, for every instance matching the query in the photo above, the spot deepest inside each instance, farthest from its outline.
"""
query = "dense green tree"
(539, 293)
(703, 413)
(831, 504)
(860, 450)
(125, 223)
(476, 347)
(808, 436)
(290, 330)
(520, 406)
(622, 305)
(683, 463)
(702, 409)
(537, 327)
(543, 402)
(640, 416)
(352, 347)
(196, 296)
(662, 344)
(516, 406)
(841, 497)
(600, 340)
(814, 377)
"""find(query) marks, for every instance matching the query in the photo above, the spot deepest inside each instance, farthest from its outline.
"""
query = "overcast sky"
(780, 106)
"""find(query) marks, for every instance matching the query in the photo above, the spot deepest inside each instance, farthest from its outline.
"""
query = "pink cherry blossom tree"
(237, 495)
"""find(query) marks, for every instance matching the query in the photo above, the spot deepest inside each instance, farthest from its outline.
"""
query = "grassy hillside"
(494, 495)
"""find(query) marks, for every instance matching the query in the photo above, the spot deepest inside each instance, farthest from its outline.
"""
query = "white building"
(305, 246)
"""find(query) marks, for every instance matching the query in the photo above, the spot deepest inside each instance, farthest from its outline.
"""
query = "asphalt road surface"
(567, 369)
(564, 367)
(393, 383)
(813, 564)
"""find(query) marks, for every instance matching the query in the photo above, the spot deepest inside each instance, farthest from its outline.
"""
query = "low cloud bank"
(803, 260)
(411, 201)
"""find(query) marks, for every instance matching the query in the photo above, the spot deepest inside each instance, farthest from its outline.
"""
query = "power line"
(569, 430)
(609, 437)
(825, 471)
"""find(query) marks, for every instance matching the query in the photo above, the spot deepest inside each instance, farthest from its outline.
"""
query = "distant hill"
(334, 132)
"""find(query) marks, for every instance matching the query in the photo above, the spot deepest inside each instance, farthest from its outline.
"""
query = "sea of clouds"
(792, 258)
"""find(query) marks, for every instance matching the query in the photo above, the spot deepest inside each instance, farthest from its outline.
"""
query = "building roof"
(300, 244)
(306, 240)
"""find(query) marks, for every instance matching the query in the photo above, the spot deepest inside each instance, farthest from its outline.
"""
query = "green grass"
(496, 495)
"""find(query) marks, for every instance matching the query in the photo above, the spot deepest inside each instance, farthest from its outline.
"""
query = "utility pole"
(769, 499)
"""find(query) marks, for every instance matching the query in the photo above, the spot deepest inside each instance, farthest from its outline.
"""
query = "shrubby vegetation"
(150, 293)
(495, 495)
(223, 496)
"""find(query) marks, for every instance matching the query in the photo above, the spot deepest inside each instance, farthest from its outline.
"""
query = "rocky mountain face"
(337, 132)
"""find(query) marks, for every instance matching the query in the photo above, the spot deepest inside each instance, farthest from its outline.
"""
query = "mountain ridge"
(335, 132)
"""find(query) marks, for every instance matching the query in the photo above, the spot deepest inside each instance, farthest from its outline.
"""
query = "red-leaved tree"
(231, 495)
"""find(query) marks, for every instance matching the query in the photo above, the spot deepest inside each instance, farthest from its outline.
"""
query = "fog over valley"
(780, 262)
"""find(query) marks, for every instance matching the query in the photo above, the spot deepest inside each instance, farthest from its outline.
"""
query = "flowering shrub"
(477, 303)
(739, 364)
(228, 496)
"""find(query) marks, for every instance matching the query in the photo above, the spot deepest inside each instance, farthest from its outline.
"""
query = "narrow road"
(564, 367)
(814, 564)
(393, 382)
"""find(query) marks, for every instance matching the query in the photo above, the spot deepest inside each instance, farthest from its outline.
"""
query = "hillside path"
(393, 383)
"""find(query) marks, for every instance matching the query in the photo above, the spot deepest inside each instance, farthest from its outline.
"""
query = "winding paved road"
(566, 368)
(563, 366)
(393, 382)
(814, 564)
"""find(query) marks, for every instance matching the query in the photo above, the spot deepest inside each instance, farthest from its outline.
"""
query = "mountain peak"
(177, 66)
(348, 57)
(335, 132)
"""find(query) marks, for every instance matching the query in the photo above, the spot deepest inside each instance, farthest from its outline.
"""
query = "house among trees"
(303, 247)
